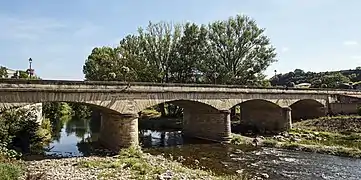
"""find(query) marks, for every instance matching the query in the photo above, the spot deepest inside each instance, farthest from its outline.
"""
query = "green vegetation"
(334, 79)
(330, 135)
(20, 131)
(340, 135)
(187, 53)
(10, 171)
(145, 166)
(232, 51)
(335, 124)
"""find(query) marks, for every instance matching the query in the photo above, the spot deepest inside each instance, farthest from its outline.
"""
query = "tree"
(238, 49)
(334, 80)
(188, 54)
(3, 72)
(158, 42)
(101, 63)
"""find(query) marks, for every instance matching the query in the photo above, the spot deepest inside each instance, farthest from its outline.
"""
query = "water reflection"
(73, 137)
(78, 137)
(152, 138)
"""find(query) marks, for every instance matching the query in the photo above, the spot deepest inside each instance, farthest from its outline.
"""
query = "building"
(10, 72)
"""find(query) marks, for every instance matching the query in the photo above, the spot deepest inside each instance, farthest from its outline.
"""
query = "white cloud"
(350, 43)
(27, 28)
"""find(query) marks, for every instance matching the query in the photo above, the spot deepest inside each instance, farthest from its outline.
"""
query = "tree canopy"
(232, 51)
(334, 79)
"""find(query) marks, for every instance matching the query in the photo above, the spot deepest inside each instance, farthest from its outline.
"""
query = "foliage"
(9, 171)
(236, 49)
(19, 129)
(336, 79)
(80, 111)
(337, 124)
(55, 110)
(101, 63)
(3, 72)
(232, 51)
(239, 51)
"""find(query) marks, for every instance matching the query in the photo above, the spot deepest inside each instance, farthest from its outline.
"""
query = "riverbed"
(78, 139)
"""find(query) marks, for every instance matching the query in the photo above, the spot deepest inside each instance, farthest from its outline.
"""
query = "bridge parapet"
(111, 86)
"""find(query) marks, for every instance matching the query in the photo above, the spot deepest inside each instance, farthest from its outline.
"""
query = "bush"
(19, 129)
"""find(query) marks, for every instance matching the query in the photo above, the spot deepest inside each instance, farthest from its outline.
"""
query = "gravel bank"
(144, 166)
(68, 169)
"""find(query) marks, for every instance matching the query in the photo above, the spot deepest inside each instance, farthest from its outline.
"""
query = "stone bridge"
(206, 107)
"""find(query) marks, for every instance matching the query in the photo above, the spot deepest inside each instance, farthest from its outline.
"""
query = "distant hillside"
(330, 79)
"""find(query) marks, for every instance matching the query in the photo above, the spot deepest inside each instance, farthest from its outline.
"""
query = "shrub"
(19, 129)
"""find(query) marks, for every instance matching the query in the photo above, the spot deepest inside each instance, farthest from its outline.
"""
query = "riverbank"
(340, 136)
(131, 163)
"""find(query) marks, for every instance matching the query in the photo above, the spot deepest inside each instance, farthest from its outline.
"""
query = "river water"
(79, 138)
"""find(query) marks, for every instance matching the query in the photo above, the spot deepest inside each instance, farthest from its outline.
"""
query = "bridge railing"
(117, 83)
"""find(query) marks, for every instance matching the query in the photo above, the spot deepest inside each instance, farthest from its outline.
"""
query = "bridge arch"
(201, 120)
(307, 109)
(261, 116)
(191, 105)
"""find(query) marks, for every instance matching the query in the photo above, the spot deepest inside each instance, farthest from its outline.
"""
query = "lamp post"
(275, 73)
(30, 69)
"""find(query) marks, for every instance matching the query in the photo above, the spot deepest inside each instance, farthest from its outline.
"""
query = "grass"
(340, 135)
(10, 168)
(150, 113)
(329, 135)
(339, 124)
(9, 171)
(145, 166)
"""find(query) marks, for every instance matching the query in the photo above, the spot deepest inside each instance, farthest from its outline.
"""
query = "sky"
(313, 35)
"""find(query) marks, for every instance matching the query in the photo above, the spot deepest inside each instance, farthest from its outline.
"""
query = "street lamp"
(275, 73)
(215, 75)
(30, 70)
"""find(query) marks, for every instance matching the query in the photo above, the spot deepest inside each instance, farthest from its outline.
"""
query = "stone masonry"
(118, 130)
(206, 107)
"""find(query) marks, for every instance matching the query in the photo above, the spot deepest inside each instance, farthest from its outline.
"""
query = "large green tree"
(102, 64)
(158, 42)
(188, 55)
(239, 50)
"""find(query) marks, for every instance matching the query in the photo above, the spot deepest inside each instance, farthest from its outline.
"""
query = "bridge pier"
(118, 130)
(267, 120)
(215, 126)
(287, 118)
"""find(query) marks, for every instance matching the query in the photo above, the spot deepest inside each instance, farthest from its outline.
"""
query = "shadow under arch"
(191, 105)
(259, 116)
(201, 120)
(307, 109)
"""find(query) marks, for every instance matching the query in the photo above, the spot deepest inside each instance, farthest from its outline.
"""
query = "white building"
(11, 73)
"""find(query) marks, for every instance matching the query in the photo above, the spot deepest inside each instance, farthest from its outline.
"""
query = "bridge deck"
(115, 86)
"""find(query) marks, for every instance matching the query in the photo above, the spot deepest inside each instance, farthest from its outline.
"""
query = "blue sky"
(314, 35)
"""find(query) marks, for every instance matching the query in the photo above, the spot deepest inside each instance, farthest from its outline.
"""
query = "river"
(79, 138)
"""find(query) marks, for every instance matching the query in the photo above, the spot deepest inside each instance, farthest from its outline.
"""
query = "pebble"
(66, 169)
(265, 175)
